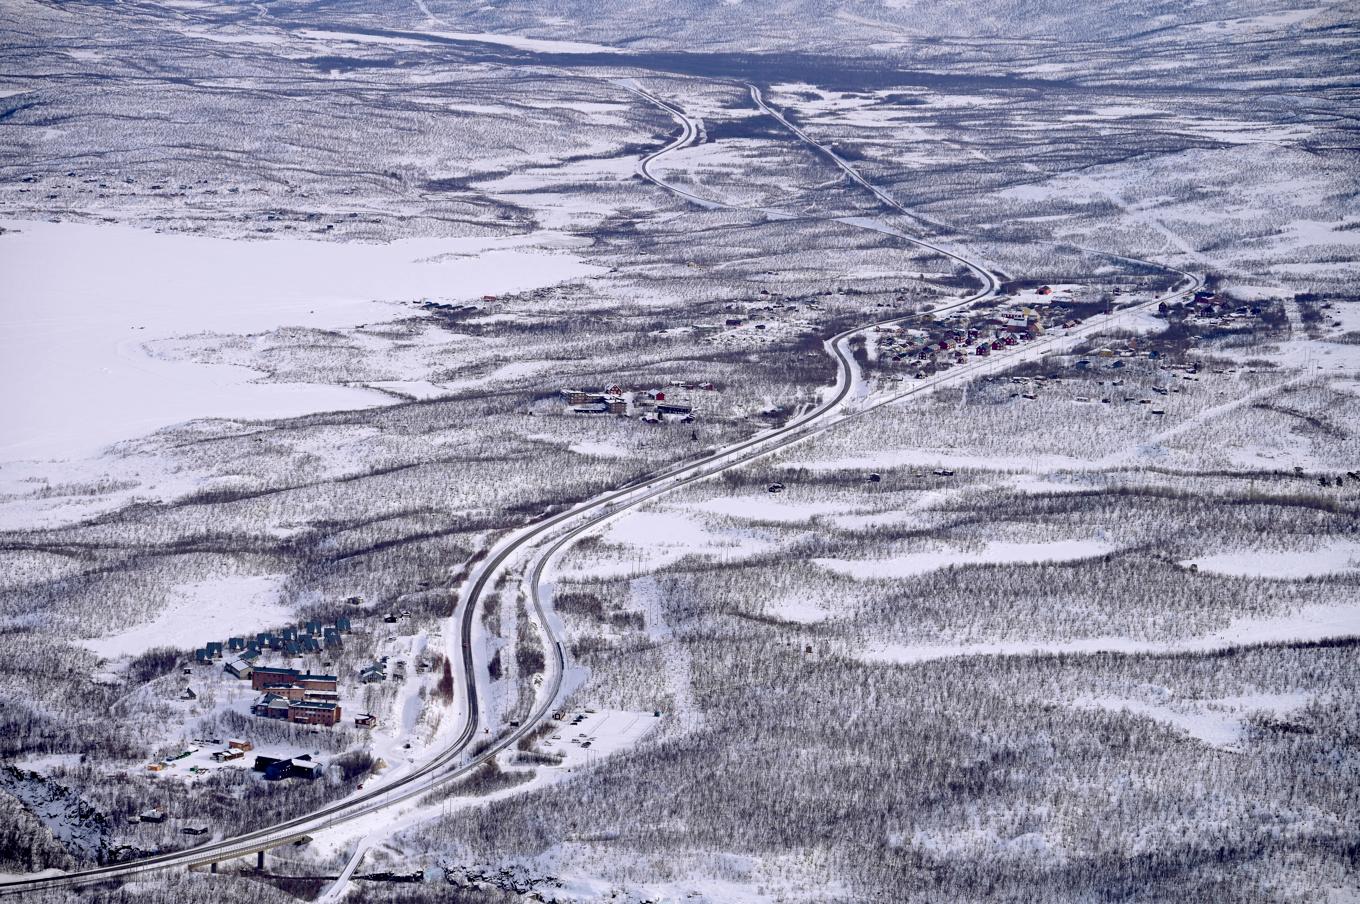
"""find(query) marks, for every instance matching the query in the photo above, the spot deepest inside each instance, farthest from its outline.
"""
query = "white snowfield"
(994, 553)
(541, 45)
(79, 302)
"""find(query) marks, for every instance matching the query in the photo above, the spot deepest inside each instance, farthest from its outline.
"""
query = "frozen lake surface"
(79, 302)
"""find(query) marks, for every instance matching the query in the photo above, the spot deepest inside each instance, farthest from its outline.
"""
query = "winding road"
(534, 546)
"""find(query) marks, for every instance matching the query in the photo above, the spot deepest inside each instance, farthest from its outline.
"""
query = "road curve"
(553, 534)
(689, 132)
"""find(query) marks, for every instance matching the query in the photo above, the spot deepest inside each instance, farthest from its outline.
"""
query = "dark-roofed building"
(305, 767)
(278, 768)
(271, 706)
(263, 762)
(314, 682)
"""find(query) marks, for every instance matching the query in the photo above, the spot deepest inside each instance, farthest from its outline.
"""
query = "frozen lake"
(78, 302)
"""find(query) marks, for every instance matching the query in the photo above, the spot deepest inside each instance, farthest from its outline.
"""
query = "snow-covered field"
(1329, 558)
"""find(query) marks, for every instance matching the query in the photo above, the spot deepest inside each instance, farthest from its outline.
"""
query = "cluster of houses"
(377, 671)
(612, 400)
(234, 750)
(650, 405)
(1111, 362)
(951, 344)
(309, 637)
(741, 314)
(292, 695)
(1209, 306)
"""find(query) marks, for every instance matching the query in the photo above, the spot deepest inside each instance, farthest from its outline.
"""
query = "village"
(772, 317)
(940, 344)
(1016, 319)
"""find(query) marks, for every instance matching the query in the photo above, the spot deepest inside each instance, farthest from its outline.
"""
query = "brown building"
(273, 705)
(266, 676)
(309, 713)
(271, 677)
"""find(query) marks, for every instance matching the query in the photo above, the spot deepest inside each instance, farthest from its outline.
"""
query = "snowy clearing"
(203, 611)
(1217, 722)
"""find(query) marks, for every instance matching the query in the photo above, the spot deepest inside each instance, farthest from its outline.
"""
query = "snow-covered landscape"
(805, 451)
